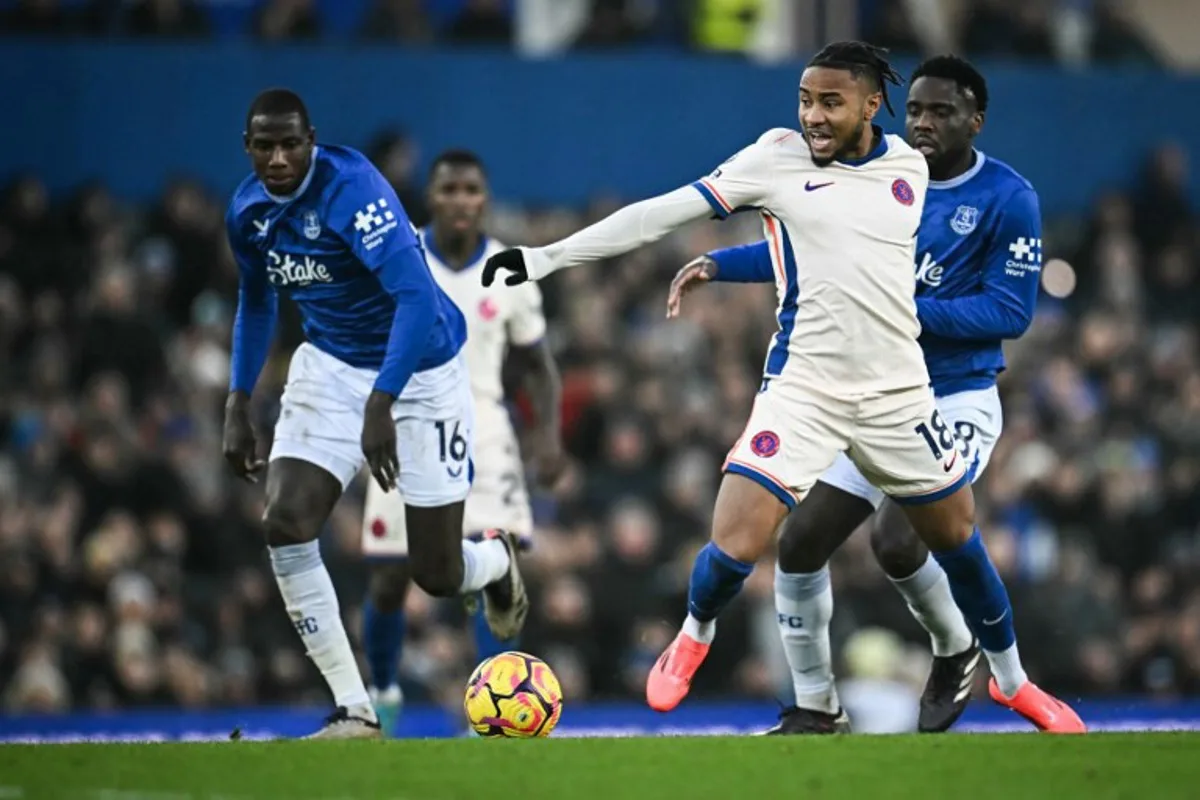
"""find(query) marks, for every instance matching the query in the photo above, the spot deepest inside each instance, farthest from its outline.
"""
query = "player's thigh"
(434, 431)
(822, 522)
(499, 497)
(300, 498)
(745, 517)
(384, 529)
(977, 419)
(321, 414)
(791, 438)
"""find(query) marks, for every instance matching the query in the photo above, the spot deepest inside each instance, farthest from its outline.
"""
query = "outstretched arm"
(620, 232)
(744, 180)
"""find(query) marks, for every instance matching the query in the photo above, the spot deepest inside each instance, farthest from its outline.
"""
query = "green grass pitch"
(975, 767)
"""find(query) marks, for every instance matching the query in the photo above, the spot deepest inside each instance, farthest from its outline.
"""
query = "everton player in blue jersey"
(380, 378)
(977, 273)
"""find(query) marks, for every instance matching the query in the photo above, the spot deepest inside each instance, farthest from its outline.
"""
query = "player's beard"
(852, 142)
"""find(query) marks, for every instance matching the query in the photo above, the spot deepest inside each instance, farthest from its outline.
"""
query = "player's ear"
(246, 141)
(874, 101)
(312, 135)
(977, 121)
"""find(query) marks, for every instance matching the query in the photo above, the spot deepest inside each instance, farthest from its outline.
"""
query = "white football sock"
(1007, 669)
(702, 632)
(313, 606)
(804, 602)
(483, 563)
(927, 592)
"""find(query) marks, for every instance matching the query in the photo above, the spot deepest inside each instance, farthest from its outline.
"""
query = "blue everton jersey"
(343, 248)
(979, 260)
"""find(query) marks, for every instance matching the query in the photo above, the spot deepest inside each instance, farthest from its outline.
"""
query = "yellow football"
(515, 695)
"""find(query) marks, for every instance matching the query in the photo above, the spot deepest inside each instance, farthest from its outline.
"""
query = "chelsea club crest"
(312, 225)
(964, 220)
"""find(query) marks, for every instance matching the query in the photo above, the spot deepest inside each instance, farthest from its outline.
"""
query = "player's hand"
(692, 274)
(237, 442)
(379, 440)
(512, 260)
(549, 460)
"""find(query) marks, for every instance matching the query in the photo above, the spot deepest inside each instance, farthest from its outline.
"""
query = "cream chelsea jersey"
(497, 316)
(843, 241)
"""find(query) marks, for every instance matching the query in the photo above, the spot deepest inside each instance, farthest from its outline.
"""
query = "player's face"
(941, 120)
(458, 197)
(835, 109)
(280, 149)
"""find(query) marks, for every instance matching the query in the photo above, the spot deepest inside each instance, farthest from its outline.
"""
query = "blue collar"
(980, 160)
(875, 153)
(427, 239)
(312, 168)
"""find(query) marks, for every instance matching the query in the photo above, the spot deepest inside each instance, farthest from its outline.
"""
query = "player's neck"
(456, 251)
(953, 167)
(866, 145)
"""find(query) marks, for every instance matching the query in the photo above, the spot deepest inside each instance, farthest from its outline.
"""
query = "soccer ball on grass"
(514, 695)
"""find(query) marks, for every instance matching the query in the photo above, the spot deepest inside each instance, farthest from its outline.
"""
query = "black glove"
(511, 260)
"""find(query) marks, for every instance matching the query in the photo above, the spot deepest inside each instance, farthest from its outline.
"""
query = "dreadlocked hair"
(862, 60)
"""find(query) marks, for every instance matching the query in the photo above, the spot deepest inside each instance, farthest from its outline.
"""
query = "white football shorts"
(897, 439)
(976, 419)
(321, 419)
(498, 497)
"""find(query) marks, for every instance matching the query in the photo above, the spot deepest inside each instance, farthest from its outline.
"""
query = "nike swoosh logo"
(812, 187)
(997, 619)
(949, 465)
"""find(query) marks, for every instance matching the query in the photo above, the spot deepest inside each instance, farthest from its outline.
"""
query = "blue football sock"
(716, 579)
(486, 643)
(979, 593)
(383, 637)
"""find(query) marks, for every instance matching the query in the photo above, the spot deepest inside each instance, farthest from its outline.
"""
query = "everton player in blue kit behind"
(977, 274)
(380, 378)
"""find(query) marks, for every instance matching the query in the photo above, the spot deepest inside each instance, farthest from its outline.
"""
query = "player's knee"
(947, 523)
(744, 521)
(285, 523)
(799, 547)
(438, 577)
(440, 584)
(960, 515)
(388, 586)
(898, 549)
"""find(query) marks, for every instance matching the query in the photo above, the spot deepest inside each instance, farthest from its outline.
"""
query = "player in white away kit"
(841, 204)
(977, 284)
(502, 325)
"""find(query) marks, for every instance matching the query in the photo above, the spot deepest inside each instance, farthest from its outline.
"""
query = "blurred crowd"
(1069, 31)
(133, 572)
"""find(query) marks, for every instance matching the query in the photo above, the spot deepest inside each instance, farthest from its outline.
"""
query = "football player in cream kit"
(841, 202)
(502, 324)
